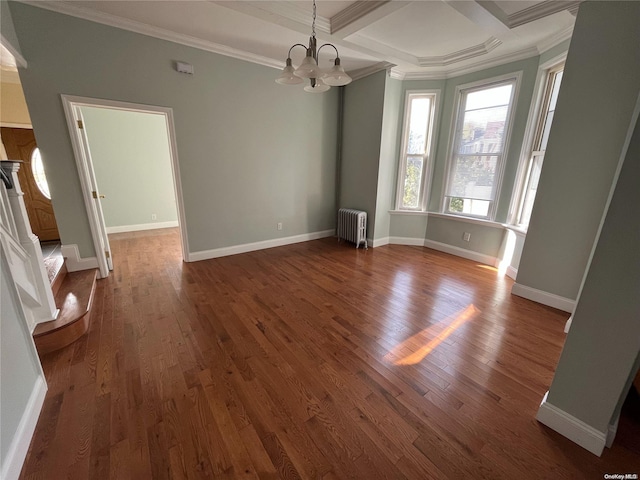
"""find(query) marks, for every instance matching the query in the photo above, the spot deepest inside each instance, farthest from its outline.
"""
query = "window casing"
(480, 140)
(535, 156)
(415, 156)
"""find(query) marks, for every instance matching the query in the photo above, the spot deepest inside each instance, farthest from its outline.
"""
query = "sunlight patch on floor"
(414, 349)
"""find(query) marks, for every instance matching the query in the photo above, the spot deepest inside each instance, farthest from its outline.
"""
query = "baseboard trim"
(74, 262)
(22, 439)
(250, 247)
(416, 242)
(567, 326)
(569, 426)
(142, 226)
(379, 242)
(545, 298)
(461, 252)
(511, 272)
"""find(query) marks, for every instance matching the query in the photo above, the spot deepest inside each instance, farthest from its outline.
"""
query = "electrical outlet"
(466, 236)
(279, 226)
(154, 216)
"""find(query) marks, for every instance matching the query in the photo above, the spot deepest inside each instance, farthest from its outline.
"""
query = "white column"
(47, 310)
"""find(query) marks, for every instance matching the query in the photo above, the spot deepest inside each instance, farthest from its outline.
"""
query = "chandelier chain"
(313, 25)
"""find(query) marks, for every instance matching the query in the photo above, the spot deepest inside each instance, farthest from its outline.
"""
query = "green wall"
(6, 27)
(132, 163)
(600, 353)
(362, 131)
(251, 153)
(592, 115)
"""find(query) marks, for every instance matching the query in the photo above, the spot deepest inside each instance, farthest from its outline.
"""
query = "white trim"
(379, 242)
(366, 71)
(409, 212)
(461, 55)
(71, 105)
(142, 226)
(512, 272)
(456, 124)
(571, 427)
(20, 442)
(74, 261)
(476, 67)
(461, 252)
(612, 430)
(155, 32)
(411, 241)
(427, 157)
(545, 298)
(460, 218)
(20, 61)
(250, 247)
(540, 10)
(567, 326)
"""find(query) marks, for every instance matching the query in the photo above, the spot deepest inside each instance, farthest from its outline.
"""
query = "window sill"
(520, 231)
(460, 218)
(409, 212)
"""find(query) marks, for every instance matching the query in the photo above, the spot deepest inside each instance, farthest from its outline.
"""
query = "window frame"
(515, 78)
(531, 137)
(427, 162)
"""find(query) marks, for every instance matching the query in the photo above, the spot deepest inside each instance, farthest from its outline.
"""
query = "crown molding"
(9, 49)
(151, 31)
(475, 67)
(460, 55)
(366, 71)
(354, 12)
(541, 10)
(558, 38)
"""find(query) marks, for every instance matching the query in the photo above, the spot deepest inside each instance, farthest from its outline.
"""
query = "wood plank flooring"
(314, 360)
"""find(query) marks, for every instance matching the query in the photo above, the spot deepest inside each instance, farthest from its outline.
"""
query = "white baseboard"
(378, 242)
(461, 252)
(567, 326)
(611, 432)
(250, 247)
(569, 426)
(512, 272)
(142, 226)
(74, 261)
(418, 242)
(20, 443)
(545, 298)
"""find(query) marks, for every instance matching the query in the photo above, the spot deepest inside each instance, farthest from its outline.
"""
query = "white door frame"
(72, 106)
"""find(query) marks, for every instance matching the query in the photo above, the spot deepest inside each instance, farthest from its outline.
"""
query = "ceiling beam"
(361, 14)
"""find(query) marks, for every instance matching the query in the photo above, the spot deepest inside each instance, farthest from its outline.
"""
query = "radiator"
(352, 226)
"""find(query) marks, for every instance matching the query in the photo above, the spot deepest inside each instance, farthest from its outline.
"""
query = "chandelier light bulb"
(336, 77)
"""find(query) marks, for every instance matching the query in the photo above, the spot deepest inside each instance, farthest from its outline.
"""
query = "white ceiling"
(415, 39)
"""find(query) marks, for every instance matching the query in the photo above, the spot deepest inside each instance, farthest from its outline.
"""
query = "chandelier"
(319, 80)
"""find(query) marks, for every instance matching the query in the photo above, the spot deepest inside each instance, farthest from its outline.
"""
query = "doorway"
(20, 144)
(98, 179)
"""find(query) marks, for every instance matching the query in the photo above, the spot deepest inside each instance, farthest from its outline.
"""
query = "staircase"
(73, 294)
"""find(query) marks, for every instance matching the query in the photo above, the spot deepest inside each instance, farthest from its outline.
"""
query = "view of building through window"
(478, 149)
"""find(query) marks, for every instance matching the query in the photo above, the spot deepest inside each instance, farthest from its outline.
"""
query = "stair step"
(74, 298)
(56, 270)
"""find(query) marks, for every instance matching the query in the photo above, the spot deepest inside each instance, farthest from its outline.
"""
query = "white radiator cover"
(352, 226)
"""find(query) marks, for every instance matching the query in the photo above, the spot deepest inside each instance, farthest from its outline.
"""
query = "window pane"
(38, 173)
(420, 109)
(532, 189)
(483, 130)
(469, 206)
(557, 80)
(489, 97)
(473, 176)
(546, 130)
(412, 182)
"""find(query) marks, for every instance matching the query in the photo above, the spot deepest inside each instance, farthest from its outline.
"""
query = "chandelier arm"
(328, 45)
(296, 45)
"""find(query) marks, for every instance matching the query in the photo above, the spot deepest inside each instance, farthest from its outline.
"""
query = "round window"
(38, 173)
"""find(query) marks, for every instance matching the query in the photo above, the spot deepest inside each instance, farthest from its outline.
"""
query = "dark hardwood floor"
(314, 360)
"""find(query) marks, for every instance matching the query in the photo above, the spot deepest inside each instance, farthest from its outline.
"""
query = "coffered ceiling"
(415, 39)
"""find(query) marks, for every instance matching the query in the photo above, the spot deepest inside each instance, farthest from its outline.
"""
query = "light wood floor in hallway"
(314, 360)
